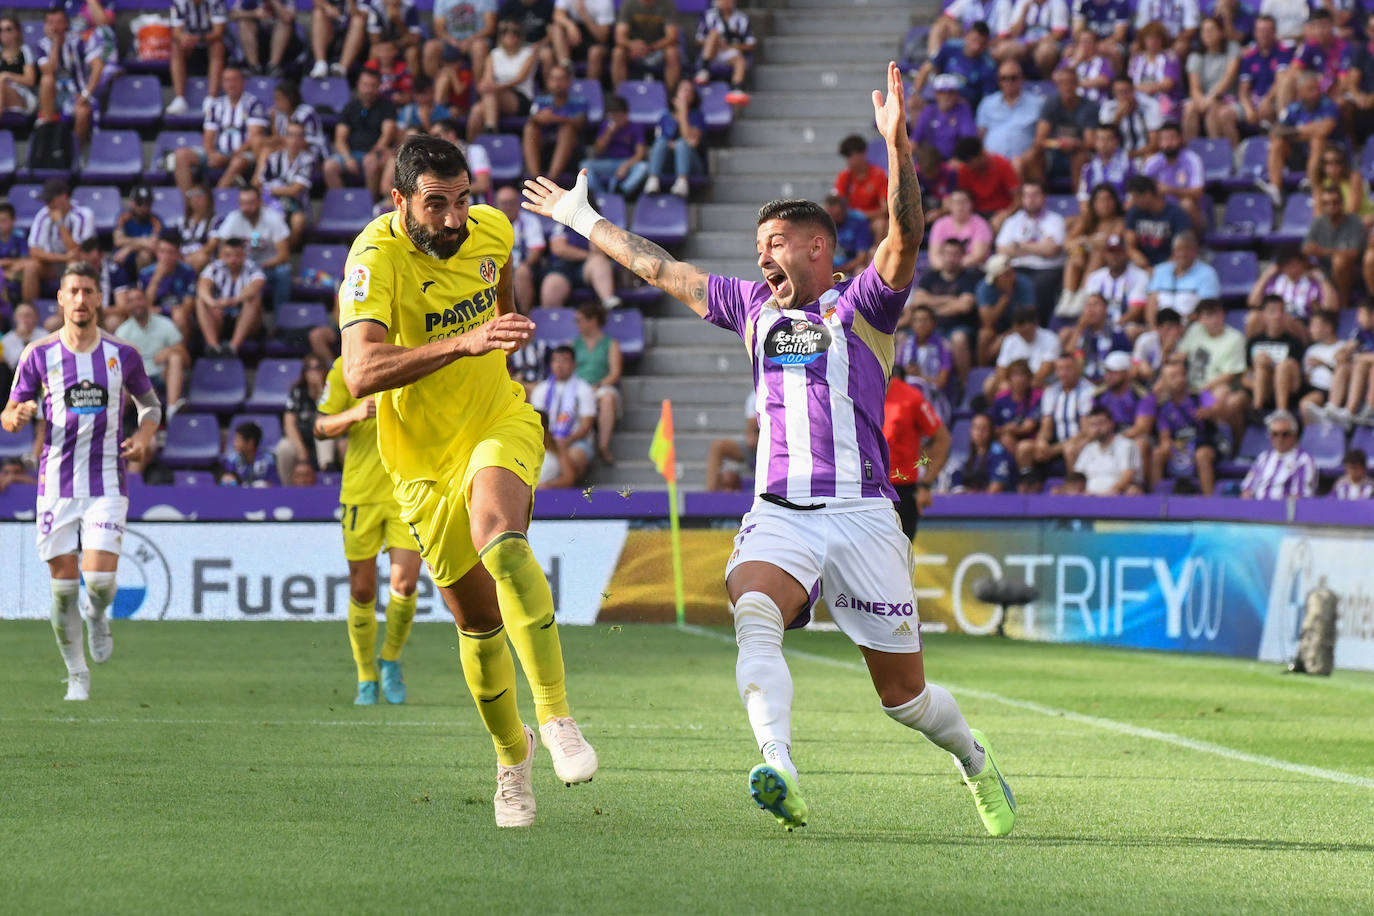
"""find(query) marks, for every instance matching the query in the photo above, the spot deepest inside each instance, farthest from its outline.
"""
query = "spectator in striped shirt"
(288, 109)
(1355, 483)
(1298, 285)
(70, 69)
(1136, 115)
(197, 38)
(726, 40)
(1284, 470)
(1063, 408)
(229, 291)
(55, 236)
(283, 177)
(233, 132)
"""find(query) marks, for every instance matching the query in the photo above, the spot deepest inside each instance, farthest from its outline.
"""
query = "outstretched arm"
(895, 258)
(639, 255)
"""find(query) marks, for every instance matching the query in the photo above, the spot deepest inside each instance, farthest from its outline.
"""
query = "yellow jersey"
(365, 481)
(426, 428)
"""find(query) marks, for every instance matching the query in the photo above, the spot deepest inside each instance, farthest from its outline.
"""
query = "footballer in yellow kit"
(371, 520)
(427, 316)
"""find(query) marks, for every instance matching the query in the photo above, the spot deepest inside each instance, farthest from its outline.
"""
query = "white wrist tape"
(575, 212)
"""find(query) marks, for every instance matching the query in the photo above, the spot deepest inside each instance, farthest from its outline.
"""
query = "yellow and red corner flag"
(663, 453)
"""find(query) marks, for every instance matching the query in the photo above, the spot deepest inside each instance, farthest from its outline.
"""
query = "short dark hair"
(170, 235)
(1356, 456)
(800, 212)
(617, 105)
(292, 90)
(1319, 14)
(1110, 130)
(423, 154)
(1206, 306)
(232, 242)
(1171, 125)
(1020, 365)
(967, 149)
(1331, 318)
(451, 125)
(853, 144)
(249, 189)
(981, 28)
(1025, 314)
(1271, 299)
(593, 310)
(1142, 184)
(249, 431)
(79, 269)
(92, 244)
(7, 207)
(1168, 316)
(563, 348)
(366, 72)
(1101, 411)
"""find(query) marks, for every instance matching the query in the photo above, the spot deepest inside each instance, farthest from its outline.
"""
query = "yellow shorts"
(367, 527)
(437, 510)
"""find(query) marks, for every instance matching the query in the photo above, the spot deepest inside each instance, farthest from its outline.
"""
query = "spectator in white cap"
(1001, 293)
(1132, 412)
(942, 124)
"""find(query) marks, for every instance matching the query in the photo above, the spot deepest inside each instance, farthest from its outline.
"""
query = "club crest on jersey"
(487, 270)
(112, 364)
(359, 279)
(796, 342)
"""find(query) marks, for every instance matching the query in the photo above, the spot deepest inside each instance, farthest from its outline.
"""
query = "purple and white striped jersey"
(1279, 475)
(1346, 488)
(83, 401)
(45, 233)
(820, 381)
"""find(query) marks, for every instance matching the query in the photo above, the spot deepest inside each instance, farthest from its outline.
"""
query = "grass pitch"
(221, 768)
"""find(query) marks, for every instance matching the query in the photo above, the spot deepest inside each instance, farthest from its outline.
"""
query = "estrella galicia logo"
(145, 580)
(487, 270)
(796, 342)
(86, 397)
(424, 287)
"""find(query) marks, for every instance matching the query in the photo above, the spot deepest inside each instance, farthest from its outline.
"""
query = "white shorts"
(852, 553)
(66, 524)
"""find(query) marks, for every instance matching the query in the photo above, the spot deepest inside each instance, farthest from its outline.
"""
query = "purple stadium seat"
(1247, 215)
(717, 112)
(1367, 159)
(168, 205)
(135, 101)
(1297, 216)
(192, 441)
(46, 309)
(1238, 271)
(194, 479)
(1042, 88)
(344, 213)
(977, 377)
(104, 200)
(269, 423)
(553, 326)
(626, 325)
(1346, 323)
(959, 446)
(321, 271)
(1235, 318)
(647, 98)
(226, 201)
(660, 218)
(197, 88)
(612, 206)
(16, 445)
(273, 383)
(507, 162)
(217, 385)
(1363, 438)
(1326, 443)
(26, 201)
(913, 48)
(1254, 163)
(328, 479)
(294, 321)
(877, 153)
(1254, 441)
(1066, 205)
(261, 88)
(32, 30)
(327, 95)
(1216, 158)
(115, 156)
(596, 102)
(8, 163)
(165, 142)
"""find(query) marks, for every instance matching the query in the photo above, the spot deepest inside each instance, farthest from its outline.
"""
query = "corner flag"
(663, 453)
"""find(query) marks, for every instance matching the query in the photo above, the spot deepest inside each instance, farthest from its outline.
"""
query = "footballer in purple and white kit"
(75, 380)
(824, 522)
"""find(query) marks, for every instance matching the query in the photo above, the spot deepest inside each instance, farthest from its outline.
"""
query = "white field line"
(1121, 728)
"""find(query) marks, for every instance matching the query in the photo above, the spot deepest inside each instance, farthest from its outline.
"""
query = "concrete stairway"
(819, 61)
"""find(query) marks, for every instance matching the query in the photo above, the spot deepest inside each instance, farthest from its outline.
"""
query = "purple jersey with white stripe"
(820, 379)
(83, 401)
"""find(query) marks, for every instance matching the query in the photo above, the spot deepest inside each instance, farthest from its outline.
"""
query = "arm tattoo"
(905, 208)
(645, 259)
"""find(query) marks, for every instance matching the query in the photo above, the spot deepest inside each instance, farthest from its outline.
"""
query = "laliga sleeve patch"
(359, 279)
(324, 395)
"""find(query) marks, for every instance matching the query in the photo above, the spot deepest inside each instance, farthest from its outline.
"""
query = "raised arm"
(642, 257)
(370, 364)
(895, 257)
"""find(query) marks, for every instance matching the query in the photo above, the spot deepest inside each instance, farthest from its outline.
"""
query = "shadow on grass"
(1023, 839)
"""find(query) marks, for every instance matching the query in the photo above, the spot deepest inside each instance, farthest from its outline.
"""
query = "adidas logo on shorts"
(904, 630)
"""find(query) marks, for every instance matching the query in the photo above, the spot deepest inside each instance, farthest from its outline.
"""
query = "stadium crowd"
(1101, 184)
(278, 136)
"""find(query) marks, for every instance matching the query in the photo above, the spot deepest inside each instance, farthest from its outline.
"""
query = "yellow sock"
(527, 609)
(400, 614)
(362, 636)
(490, 672)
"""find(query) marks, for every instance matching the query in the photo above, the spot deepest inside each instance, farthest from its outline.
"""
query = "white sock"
(100, 589)
(765, 684)
(66, 624)
(935, 714)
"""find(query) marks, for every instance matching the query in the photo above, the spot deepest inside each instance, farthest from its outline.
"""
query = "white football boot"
(573, 758)
(514, 789)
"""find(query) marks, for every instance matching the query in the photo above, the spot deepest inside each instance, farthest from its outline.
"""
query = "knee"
(504, 552)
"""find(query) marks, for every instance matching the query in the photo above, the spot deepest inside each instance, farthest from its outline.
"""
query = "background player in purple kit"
(80, 372)
(824, 522)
